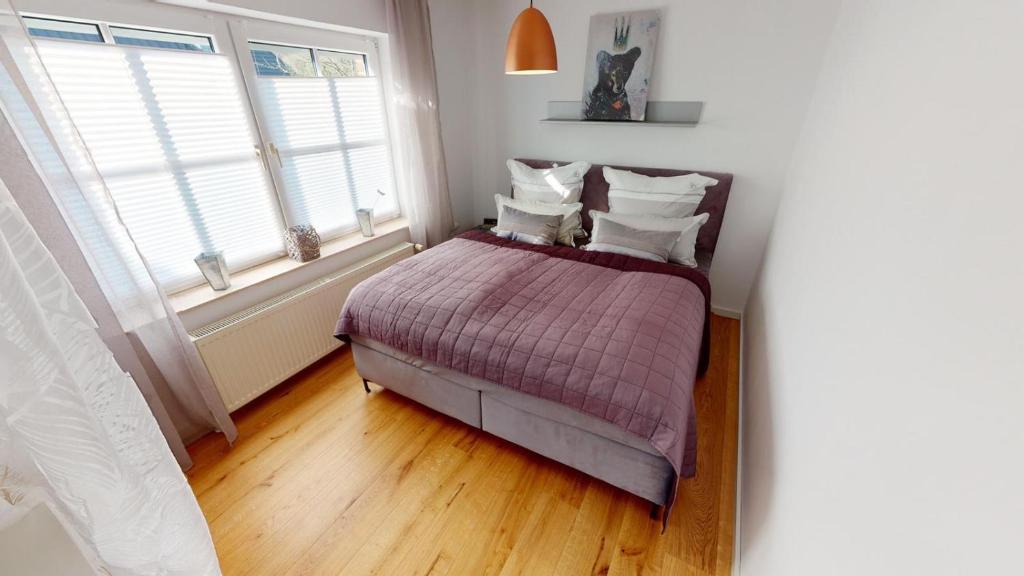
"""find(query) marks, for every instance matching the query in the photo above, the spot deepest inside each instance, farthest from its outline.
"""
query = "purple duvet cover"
(613, 336)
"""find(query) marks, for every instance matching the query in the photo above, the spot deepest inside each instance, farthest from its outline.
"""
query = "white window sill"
(281, 270)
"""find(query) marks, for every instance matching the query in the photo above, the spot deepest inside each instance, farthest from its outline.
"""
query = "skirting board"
(737, 534)
(726, 312)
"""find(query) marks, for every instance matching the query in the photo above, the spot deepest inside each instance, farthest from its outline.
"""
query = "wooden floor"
(327, 480)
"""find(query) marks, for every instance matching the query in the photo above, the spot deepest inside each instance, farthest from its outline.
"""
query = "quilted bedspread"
(613, 336)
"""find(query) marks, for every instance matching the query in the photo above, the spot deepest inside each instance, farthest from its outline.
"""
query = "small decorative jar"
(303, 243)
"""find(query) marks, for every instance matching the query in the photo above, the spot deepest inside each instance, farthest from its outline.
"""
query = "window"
(171, 137)
(154, 39)
(324, 117)
(46, 28)
(275, 60)
(176, 140)
(90, 32)
(282, 60)
(335, 64)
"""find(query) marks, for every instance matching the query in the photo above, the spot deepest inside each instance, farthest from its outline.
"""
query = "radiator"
(256, 349)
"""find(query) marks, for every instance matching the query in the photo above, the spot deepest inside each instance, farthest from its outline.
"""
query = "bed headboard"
(595, 197)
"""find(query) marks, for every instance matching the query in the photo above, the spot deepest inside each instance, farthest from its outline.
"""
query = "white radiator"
(256, 349)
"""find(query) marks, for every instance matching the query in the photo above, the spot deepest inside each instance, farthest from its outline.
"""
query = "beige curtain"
(422, 173)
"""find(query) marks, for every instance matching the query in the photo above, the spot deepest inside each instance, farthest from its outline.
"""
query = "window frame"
(229, 37)
(245, 31)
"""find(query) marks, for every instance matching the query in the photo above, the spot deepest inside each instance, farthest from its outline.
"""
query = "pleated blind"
(93, 223)
(331, 141)
(170, 135)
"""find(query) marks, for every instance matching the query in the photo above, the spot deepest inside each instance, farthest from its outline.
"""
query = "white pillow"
(634, 182)
(557, 185)
(669, 196)
(642, 204)
(684, 250)
(571, 223)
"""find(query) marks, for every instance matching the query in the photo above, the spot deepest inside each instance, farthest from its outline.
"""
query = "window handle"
(276, 153)
(259, 154)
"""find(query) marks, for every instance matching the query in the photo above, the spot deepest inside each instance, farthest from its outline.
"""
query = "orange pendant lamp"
(531, 45)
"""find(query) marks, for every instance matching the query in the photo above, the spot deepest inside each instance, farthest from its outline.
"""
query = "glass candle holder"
(365, 217)
(211, 264)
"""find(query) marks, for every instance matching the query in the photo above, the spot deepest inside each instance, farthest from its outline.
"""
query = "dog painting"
(620, 57)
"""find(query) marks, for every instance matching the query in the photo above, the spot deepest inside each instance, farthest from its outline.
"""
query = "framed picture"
(620, 59)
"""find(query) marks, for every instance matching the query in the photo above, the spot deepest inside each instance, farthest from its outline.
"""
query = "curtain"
(421, 167)
(75, 432)
(34, 108)
(36, 203)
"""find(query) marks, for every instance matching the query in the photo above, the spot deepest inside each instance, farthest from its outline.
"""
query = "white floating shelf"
(662, 114)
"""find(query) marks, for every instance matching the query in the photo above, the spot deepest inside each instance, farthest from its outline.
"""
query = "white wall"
(455, 35)
(884, 353)
(752, 62)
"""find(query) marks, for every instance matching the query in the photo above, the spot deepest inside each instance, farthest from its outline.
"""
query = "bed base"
(576, 440)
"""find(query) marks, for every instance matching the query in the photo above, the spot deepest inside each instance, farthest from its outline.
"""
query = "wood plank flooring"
(327, 480)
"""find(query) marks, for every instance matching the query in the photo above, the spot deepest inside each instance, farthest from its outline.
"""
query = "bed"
(586, 358)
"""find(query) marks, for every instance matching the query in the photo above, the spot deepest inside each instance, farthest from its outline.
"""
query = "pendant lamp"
(531, 45)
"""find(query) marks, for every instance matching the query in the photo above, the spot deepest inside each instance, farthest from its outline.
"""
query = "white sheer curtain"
(76, 434)
(34, 108)
(421, 170)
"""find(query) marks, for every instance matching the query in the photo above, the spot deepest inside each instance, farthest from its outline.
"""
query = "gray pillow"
(611, 236)
(528, 227)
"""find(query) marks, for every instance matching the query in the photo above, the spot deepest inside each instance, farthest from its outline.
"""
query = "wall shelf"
(660, 114)
(616, 123)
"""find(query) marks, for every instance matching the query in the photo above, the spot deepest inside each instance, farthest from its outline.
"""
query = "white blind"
(169, 134)
(110, 253)
(331, 138)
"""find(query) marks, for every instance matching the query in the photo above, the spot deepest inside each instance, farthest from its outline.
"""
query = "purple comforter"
(613, 336)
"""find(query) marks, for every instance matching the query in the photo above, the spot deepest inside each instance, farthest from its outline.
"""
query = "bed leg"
(655, 511)
(366, 385)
